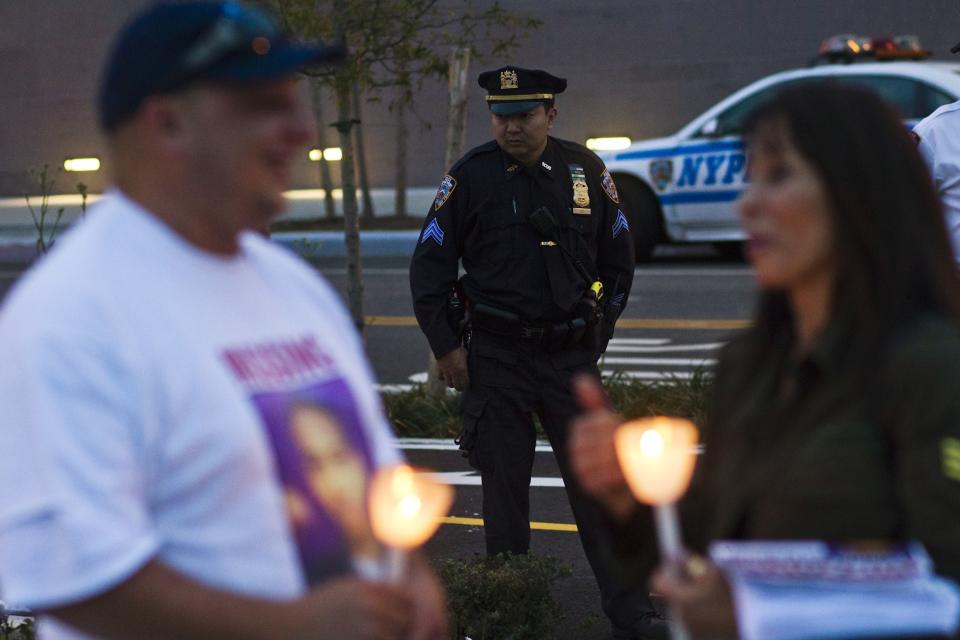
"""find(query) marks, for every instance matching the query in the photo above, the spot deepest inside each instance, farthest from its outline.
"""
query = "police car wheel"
(643, 213)
(729, 250)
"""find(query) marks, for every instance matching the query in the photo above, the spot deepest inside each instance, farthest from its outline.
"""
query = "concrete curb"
(16, 252)
(330, 244)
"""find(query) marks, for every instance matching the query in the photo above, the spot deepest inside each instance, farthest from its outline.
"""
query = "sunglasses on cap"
(238, 29)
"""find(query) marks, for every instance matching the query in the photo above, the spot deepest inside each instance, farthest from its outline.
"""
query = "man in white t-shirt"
(938, 139)
(189, 422)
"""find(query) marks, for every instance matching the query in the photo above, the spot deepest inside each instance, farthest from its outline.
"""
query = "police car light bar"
(848, 47)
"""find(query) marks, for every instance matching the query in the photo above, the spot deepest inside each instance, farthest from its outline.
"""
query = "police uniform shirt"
(939, 144)
(481, 216)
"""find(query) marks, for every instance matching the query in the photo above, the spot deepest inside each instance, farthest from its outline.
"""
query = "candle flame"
(651, 443)
(657, 456)
(409, 506)
(406, 506)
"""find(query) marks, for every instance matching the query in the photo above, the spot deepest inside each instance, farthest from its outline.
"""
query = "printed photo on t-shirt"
(323, 464)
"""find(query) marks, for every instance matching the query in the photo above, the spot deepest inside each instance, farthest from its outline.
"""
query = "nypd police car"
(682, 188)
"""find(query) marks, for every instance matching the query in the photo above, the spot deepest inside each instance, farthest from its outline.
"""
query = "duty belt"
(552, 336)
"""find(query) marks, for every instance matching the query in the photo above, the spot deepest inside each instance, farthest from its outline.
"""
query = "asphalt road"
(683, 307)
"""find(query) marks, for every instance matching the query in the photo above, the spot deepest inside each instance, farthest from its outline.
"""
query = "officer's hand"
(453, 369)
(593, 454)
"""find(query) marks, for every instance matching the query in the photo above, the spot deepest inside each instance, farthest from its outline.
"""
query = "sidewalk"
(17, 235)
(19, 252)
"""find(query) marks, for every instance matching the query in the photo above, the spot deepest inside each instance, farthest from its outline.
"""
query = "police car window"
(932, 98)
(731, 121)
(905, 94)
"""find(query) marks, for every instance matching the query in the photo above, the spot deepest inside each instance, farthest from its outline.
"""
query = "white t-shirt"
(146, 391)
(939, 145)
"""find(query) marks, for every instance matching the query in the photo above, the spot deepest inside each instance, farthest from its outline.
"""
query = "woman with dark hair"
(837, 415)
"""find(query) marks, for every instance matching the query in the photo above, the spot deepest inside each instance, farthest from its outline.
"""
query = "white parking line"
(471, 479)
(619, 348)
(651, 375)
(639, 341)
(441, 444)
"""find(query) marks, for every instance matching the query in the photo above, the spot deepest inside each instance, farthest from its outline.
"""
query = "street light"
(81, 164)
(330, 154)
(611, 143)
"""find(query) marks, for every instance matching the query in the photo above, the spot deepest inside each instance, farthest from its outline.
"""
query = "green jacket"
(806, 450)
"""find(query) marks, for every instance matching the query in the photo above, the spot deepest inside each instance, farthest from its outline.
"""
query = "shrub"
(23, 629)
(415, 414)
(671, 397)
(506, 597)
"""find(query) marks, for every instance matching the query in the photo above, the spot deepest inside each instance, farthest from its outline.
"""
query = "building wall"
(640, 68)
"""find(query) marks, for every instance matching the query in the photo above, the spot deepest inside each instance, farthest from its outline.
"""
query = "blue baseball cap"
(172, 45)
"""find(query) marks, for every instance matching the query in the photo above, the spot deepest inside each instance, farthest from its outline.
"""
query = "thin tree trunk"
(457, 114)
(351, 222)
(456, 140)
(400, 163)
(362, 156)
(326, 182)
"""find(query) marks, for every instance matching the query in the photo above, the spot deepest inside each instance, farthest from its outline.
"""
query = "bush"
(23, 629)
(506, 597)
(415, 414)
(672, 397)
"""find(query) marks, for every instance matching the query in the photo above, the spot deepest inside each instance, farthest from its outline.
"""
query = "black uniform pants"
(511, 380)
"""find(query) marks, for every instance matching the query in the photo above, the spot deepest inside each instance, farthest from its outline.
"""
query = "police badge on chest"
(581, 193)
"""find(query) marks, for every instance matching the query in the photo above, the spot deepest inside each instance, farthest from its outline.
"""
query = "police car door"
(710, 169)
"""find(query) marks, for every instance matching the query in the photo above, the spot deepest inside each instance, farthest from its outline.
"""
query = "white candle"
(657, 456)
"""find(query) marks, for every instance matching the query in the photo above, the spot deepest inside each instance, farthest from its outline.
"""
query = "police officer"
(539, 227)
(938, 139)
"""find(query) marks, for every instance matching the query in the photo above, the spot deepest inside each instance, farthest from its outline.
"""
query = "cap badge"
(508, 79)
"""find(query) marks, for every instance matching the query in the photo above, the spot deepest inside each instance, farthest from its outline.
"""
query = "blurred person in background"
(836, 415)
(938, 138)
(147, 366)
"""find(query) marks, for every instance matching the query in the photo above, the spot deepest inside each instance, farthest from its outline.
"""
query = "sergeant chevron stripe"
(434, 231)
(620, 224)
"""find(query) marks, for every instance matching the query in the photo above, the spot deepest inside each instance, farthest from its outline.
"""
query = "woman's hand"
(700, 596)
(593, 455)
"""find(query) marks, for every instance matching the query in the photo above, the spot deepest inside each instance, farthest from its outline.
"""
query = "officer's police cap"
(516, 90)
